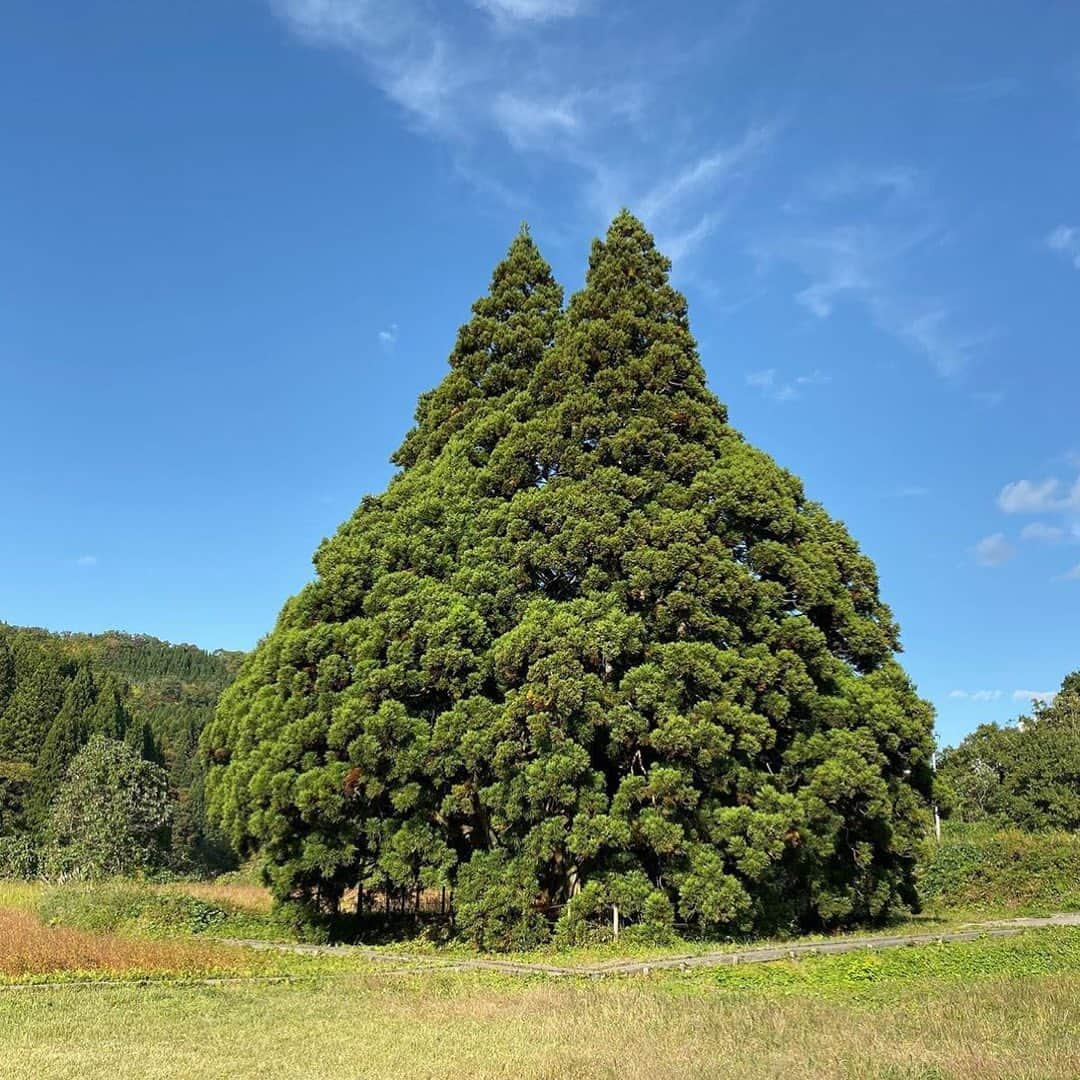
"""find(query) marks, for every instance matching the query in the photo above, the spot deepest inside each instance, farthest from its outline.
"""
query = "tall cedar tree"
(589, 642)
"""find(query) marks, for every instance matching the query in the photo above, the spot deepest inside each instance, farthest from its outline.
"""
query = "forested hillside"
(57, 690)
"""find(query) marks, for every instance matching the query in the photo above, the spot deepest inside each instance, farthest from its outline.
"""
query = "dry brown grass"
(27, 948)
(253, 898)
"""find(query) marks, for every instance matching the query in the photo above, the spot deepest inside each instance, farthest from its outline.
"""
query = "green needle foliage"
(589, 647)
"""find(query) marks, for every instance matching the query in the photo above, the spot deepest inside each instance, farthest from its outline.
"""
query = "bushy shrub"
(19, 857)
(646, 914)
(111, 815)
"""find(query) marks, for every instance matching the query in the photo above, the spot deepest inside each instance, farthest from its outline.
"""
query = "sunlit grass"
(981, 1010)
(445, 1025)
(244, 897)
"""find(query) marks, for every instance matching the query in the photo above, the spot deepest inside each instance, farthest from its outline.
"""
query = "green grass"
(461, 1025)
(888, 973)
(126, 907)
(986, 1009)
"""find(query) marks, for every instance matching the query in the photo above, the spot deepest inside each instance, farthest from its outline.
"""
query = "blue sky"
(237, 238)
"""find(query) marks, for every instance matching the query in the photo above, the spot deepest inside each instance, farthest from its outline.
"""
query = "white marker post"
(937, 816)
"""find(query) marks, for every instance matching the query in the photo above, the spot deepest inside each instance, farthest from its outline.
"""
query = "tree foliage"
(588, 638)
(110, 814)
(1026, 774)
(56, 690)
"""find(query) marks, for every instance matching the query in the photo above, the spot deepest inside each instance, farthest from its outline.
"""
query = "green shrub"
(1012, 870)
(111, 814)
(646, 913)
(19, 858)
(585, 918)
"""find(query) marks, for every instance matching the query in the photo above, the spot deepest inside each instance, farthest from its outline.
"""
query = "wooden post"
(615, 920)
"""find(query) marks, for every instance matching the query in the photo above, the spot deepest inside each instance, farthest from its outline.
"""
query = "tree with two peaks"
(589, 647)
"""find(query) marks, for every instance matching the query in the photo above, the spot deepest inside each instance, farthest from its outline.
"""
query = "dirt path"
(424, 961)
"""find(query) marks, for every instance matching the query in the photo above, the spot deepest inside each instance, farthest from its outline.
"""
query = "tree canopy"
(58, 690)
(589, 645)
(1026, 774)
(110, 814)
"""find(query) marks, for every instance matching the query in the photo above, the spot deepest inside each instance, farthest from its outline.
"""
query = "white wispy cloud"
(1034, 695)
(1065, 240)
(707, 172)
(855, 234)
(598, 108)
(86, 560)
(407, 56)
(1039, 497)
(994, 550)
(1039, 530)
(531, 123)
(779, 388)
(1049, 498)
(683, 200)
(388, 336)
(531, 10)
(976, 695)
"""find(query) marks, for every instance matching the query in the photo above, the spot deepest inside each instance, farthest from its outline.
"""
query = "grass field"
(442, 1025)
(113, 999)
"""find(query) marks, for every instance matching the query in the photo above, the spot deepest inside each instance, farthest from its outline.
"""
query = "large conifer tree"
(588, 643)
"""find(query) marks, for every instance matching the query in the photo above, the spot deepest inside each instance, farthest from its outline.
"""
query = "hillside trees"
(1025, 775)
(589, 642)
(58, 690)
